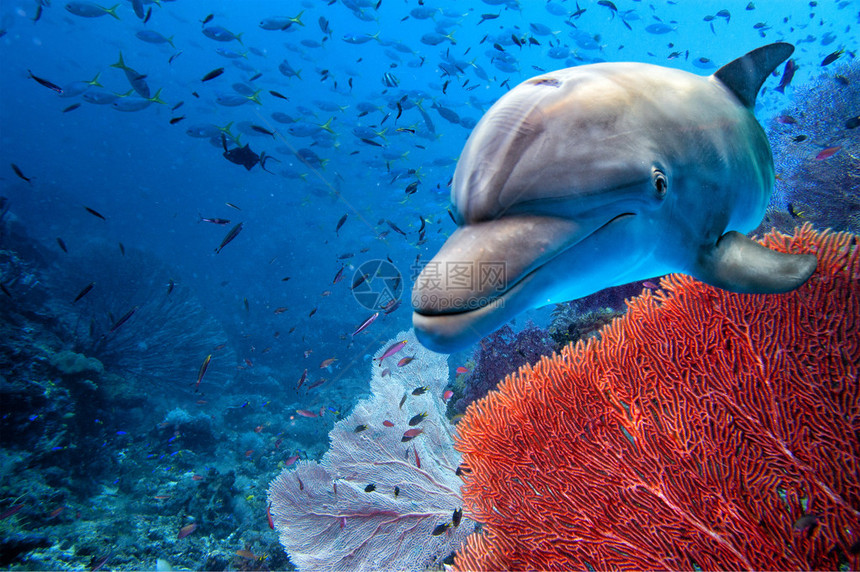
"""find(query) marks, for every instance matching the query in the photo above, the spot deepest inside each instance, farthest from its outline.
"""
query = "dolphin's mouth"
(485, 264)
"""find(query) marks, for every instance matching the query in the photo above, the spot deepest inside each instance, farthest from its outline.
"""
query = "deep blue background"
(151, 180)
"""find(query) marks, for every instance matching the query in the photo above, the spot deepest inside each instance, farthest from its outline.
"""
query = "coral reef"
(71, 363)
(89, 478)
(384, 496)
(504, 352)
(167, 333)
(705, 430)
(569, 325)
(810, 186)
(499, 354)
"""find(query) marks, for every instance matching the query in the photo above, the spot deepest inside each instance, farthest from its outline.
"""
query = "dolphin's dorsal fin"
(745, 75)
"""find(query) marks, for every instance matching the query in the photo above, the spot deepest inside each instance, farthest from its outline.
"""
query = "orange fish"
(246, 554)
(828, 153)
(447, 395)
(388, 423)
(411, 434)
(404, 361)
(269, 516)
(306, 413)
(327, 362)
(197, 477)
(249, 452)
(56, 512)
(462, 369)
(258, 429)
(291, 461)
(186, 530)
(281, 310)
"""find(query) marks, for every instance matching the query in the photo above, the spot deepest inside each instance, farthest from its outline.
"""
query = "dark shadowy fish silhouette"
(340, 223)
(832, 57)
(20, 173)
(46, 83)
(213, 74)
(95, 213)
(86, 290)
(234, 232)
(122, 320)
(244, 156)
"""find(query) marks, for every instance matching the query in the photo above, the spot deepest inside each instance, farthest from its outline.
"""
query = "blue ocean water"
(354, 114)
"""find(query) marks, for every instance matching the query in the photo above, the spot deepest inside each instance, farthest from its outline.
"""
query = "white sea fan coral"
(374, 501)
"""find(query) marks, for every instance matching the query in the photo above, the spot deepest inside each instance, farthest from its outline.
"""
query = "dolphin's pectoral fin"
(745, 75)
(739, 264)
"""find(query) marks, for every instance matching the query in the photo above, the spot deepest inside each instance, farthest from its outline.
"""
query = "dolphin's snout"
(481, 261)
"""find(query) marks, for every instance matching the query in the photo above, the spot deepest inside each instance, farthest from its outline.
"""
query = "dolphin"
(599, 175)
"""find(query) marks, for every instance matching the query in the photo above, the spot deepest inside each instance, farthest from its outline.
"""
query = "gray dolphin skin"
(599, 175)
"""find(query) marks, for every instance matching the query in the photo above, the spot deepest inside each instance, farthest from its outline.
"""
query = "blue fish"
(91, 9)
(220, 34)
(153, 37)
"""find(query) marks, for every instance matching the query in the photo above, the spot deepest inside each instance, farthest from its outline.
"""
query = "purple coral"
(824, 191)
(501, 353)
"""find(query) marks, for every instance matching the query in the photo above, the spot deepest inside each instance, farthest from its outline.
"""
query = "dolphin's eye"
(660, 182)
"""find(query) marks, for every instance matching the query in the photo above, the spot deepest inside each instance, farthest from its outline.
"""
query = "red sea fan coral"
(707, 430)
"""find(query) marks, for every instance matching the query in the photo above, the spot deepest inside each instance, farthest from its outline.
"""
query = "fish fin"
(745, 75)
(327, 126)
(120, 64)
(156, 99)
(739, 264)
(95, 81)
(226, 129)
(112, 11)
